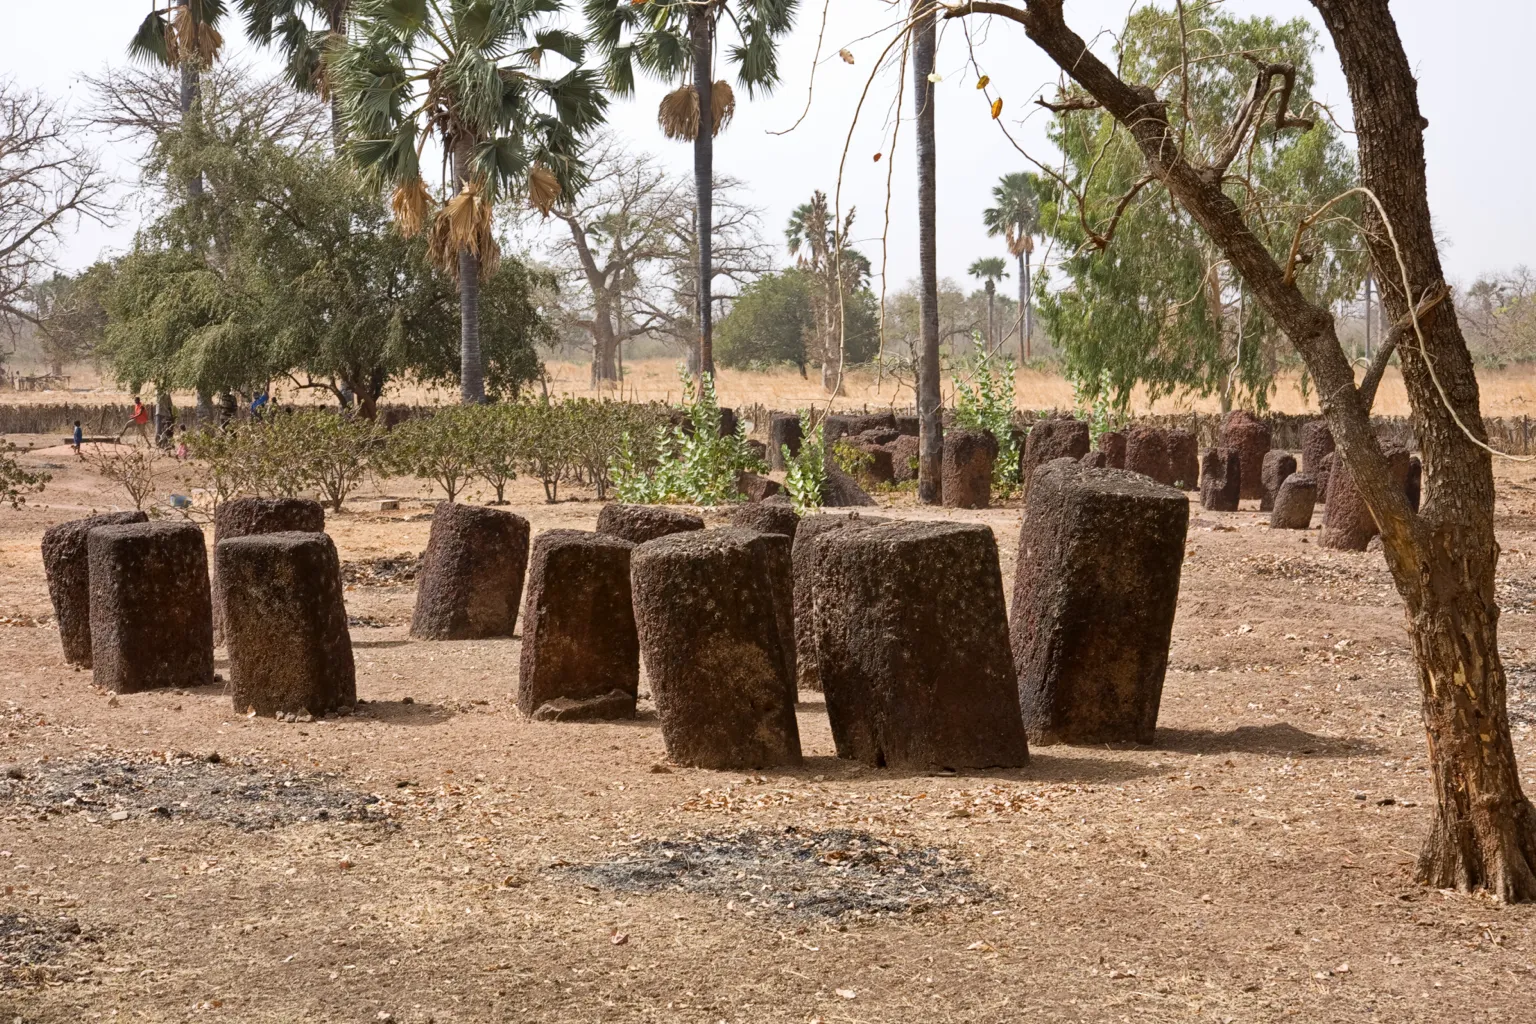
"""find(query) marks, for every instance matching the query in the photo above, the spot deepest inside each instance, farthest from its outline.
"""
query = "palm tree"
(930, 460)
(1017, 218)
(674, 40)
(835, 269)
(290, 25)
(465, 75)
(989, 270)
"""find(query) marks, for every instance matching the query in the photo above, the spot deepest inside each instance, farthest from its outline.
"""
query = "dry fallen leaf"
(846, 55)
(619, 938)
(846, 993)
(980, 947)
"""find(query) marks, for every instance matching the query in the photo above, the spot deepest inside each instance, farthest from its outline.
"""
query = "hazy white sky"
(1478, 168)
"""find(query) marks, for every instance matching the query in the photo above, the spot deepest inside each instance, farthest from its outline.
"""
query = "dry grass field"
(435, 857)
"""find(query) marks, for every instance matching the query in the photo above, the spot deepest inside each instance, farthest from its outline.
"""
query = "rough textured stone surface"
(841, 490)
(1348, 524)
(1244, 433)
(1324, 472)
(909, 426)
(1277, 466)
(286, 624)
(66, 561)
(616, 704)
(912, 643)
(806, 567)
(579, 640)
(879, 468)
(757, 487)
(841, 424)
(767, 519)
(782, 431)
(1316, 446)
(1112, 444)
(471, 579)
(1183, 459)
(1055, 437)
(713, 648)
(968, 459)
(758, 448)
(1094, 594)
(1294, 503)
(249, 517)
(1220, 479)
(1414, 485)
(904, 452)
(151, 609)
(640, 523)
(1096, 460)
(876, 436)
(1146, 452)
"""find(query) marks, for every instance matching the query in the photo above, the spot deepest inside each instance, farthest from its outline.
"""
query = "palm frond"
(543, 189)
(678, 114)
(722, 102)
(411, 203)
(464, 223)
(153, 43)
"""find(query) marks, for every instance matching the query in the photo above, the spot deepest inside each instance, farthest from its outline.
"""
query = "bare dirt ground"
(436, 857)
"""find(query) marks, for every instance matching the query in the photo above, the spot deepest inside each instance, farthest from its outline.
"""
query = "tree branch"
(1399, 331)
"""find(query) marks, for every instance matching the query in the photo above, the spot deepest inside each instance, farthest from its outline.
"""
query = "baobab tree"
(1443, 557)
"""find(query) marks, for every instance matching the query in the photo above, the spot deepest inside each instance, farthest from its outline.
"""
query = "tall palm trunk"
(701, 32)
(471, 371)
(336, 22)
(1027, 296)
(186, 100)
(930, 462)
(991, 316)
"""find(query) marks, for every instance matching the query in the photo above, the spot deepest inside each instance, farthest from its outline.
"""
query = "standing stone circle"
(1146, 452)
(1348, 524)
(968, 459)
(912, 643)
(783, 431)
(249, 517)
(1094, 595)
(579, 640)
(67, 564)
(1294, 503)
(1054, 437)
(767, 519)
(1220, 479)
(806, 567)
(471, 579)
(709, 631)
(1183, 459)
(286, 624)
(640, 523)
(1249, 436)
(1112, 444)
(1277, 466)
(151, 609)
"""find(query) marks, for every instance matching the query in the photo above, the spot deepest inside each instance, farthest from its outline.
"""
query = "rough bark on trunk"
(471, 367)
(1023, 309)
(701, 32)
(930, 459)
(1443, 558)
(1029, 309)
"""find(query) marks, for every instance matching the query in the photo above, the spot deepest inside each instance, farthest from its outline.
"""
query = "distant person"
(181, 444)
(259, 405)
(139, 421)
(78, 438)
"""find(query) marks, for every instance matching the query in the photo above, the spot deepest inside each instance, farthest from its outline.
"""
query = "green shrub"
(501, 443)
(676, 464)
(986, 403)
(15, 482)
(806, 472)
(440, 448)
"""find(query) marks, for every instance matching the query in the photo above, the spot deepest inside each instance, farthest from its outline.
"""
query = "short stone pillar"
(1094, 594)
(840, 490)
(767, 519)
(783, 432)
(806, 568)
(1112, 444)
(1324, 473)
(1277, 466)
(285, 624)
(1244, 433)
(710, 635)
(640, 523)
(1348, 524)
(756, 487)
(1054, 437)
(67, 564)
(249, 517)
(151, 609)
(1183, 459)
(968, 459)
(1294, 503)
(579, 640)
(904, 453)
(1146, 452)
(1221, 472)
(912, 644)
(1096, 459)
(1316, 443)
(471, 579)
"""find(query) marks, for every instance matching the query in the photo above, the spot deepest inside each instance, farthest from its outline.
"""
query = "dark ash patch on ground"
(34, 950)
(122, 787)
(384, 571)
(833, 874)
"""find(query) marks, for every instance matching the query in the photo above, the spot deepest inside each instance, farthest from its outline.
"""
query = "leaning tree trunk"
(930, 423)
(471, 367)
(701, 33)
(1442, 558)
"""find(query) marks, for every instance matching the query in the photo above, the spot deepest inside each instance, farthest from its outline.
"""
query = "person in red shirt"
(139, 421)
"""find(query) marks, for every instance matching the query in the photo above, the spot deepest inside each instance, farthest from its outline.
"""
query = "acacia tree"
(989, 270)
(1443, 557)
(675, 41)
(467, 76)
(1017, 218)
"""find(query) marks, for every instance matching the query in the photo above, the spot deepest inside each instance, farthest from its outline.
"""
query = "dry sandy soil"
(436, 857)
